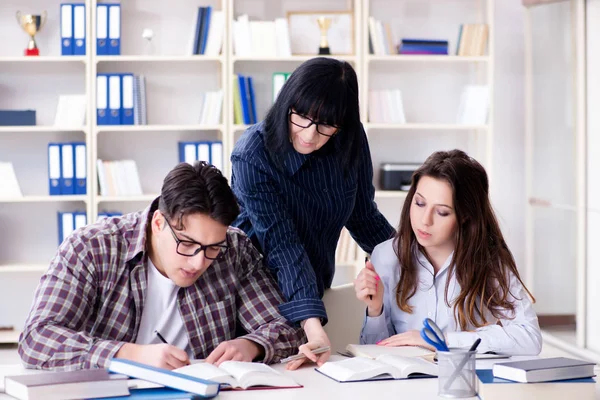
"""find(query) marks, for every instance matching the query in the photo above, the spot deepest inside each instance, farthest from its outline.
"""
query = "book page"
(256, 374)
(374, 351)
(358, 369)
(209, 372)
(410, 365)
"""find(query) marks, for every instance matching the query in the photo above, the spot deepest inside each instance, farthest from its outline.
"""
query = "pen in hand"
(162, 339)
(300, 356)
(366, 261)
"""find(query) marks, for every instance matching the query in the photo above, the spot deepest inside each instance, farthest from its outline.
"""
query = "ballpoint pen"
(366, 261)
(301, 356)
(162, 339)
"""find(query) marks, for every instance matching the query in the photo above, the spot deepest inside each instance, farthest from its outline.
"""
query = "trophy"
(324, 24)
(31, 24)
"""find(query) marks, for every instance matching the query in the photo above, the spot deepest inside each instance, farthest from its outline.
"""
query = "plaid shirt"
(90, 301)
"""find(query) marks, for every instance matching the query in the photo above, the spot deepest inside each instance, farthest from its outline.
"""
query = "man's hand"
(409, 338)
(156, 355)
(235, 350)
(316, 338)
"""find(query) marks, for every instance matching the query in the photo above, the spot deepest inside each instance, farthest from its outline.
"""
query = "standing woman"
(300, 176)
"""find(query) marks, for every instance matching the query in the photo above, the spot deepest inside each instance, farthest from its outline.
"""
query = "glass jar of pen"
(456, 367)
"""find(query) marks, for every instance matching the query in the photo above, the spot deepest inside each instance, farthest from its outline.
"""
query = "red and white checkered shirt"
(90, 301)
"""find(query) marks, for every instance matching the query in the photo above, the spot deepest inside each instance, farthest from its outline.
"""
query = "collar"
(293, 160)
(424, 262)
(137, 243)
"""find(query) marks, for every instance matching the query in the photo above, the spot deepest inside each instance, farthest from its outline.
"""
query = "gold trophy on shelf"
(324, 24)
(31, 24)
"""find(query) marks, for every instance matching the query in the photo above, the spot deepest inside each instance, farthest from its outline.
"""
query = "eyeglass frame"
(312, 122)
(224, 247)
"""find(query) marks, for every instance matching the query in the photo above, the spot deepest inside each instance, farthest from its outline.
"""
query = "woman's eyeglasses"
(303, 121)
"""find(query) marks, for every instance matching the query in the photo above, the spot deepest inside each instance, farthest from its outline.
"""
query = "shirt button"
(324, 190)
(431, 292)
(429, 315)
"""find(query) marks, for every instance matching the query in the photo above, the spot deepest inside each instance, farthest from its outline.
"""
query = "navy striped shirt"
(295, 215)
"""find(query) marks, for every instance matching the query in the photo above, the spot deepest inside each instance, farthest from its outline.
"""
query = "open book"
(383, 367)
(239, 374)
(373, 351)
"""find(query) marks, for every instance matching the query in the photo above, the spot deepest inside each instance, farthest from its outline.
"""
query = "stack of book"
(472, 40)
(423, 47)
(381, 42)
(210, 107)
(244, 102)
(119, 178)
(208, 32)
(545, 378)
(261, 38)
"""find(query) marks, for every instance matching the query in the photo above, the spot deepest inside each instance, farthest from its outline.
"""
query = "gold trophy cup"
(324, 24)
(31, 24)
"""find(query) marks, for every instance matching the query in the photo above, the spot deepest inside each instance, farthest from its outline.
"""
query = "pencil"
(367, 259)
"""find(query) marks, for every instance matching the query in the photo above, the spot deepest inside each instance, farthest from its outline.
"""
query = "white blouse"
(517, 336)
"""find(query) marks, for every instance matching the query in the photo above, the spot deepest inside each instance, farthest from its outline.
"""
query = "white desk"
(318, 386)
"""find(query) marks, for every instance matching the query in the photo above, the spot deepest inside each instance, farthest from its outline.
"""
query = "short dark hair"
(198, 188)
(326, 90)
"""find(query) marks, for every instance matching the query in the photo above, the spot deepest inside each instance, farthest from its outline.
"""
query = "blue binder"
(244, 99)
(67, 169)
(66, 29)
(102, 99)
(127, 96)
(114, 29)
(54, 169)
(80, 167)
(205, 26)
(66, 225)
(102, 29)
(115, 99)
(79, 29)
(187, 152)
(251, 101)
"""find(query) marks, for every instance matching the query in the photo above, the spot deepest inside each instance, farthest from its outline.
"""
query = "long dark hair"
(482, 262)
(325, 89)
(198, 188)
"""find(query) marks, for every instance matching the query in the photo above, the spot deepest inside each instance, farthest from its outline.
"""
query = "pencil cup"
(456, 372)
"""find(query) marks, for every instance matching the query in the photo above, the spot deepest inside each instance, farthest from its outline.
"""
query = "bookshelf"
(174, 78)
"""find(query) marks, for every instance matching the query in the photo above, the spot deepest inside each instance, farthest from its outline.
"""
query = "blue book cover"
(205, 26)
(155, 394)
(487, 376)
(244, 99)
(164, 377)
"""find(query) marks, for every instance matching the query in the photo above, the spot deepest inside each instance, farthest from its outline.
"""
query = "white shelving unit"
(174, 79)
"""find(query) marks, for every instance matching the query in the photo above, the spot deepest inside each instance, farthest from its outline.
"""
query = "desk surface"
(316, 386)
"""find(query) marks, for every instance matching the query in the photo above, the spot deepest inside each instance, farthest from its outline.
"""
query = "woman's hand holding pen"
(369, 289)
(157, 355)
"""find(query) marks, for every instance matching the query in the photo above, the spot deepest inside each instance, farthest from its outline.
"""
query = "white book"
(135, 186)
(70, 111)
(398, 113)
(239, 374)
(474, 105)
(10, 186)
(282, 36)
(242, 40)
(218, 107)
(102, 185)
(216, 29)
(264, 41)
(383, 367)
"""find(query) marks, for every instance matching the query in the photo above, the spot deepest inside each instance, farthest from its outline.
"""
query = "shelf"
(390, 194)
(240, 127)
(127, 199)
(157, 128)
(426, 58)
(143, 58)
(39, 128)
(45, 199)
(44, 59)
(23, 268)
(9, 337)
(297, 58)
(419, 126)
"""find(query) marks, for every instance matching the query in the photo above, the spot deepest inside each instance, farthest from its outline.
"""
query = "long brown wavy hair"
(482, 262)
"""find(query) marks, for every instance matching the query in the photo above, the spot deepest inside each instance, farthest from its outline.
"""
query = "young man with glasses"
(162, 286)
(302, 175)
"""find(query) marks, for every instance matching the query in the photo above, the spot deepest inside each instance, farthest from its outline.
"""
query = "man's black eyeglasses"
(303, 121)
(188, 248)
